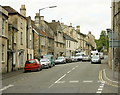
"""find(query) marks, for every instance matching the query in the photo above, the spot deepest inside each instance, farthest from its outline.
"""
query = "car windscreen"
(30, 61)
(60, 58)
(96, 57)
(43, 60)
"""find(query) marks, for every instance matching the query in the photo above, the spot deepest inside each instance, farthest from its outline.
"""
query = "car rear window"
(30, 61)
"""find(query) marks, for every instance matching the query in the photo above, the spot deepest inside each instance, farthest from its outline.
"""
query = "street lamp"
(111, 36)
(39, 26)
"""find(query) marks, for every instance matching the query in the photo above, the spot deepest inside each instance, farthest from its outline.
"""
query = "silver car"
(45, 63)
(60, 59)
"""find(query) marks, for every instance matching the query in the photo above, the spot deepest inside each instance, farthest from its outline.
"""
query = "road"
(77, 77)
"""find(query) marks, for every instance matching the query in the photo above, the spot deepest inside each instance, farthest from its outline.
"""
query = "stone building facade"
(115, 25)
(29, 39)
(59, 39)
(3, 39)
(19, 21)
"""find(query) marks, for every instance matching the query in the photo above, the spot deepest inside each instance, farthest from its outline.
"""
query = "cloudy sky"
(91, 15)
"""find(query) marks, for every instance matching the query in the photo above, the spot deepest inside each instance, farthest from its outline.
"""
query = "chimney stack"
(70, 24)
(42, 18)
(23, 10)
(37, 19)
(78, 28)
(53, 21)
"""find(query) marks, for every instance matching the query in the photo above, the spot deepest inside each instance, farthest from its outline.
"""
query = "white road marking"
(6, 87)
(69, 71)
(74, 81)
(57, 81)
(51, 85)
(73, 68)
(98, 92)
(76, 66)
(101, 86)
(60, 78)
(100, 89)
(88, 81)
(61, 82)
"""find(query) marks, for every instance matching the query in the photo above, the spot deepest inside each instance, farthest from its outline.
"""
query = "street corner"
(104, 77)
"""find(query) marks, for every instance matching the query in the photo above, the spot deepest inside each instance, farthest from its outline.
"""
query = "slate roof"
(67, 37)
(42, 33)
(12, 11)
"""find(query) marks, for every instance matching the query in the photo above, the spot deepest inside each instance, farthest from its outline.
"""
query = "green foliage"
(102, 42)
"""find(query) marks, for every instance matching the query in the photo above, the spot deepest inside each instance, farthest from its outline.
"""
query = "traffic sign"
(116, 43)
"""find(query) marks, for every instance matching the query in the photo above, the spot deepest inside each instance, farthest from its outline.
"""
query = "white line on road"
(100, 89)
(51, 85)
(98, 92)
(73, 68)
(74, 81)
(61, 82)
(6, 87)
(69, 71)
(101, 86)
(60, 78)
(57, 81)
(76, 66)
(88, 81)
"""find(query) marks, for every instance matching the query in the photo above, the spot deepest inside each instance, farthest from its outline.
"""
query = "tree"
(102, 42)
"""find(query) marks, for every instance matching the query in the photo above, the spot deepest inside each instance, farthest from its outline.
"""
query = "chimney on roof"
(42, 18)
(37, 19)
(53, 21)
(23, 10)
(78, 28)
(70, 24)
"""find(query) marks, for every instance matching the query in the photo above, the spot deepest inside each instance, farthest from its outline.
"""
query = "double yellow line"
(102, 80)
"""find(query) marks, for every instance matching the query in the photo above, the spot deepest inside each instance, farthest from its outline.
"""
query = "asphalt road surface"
(77, 77)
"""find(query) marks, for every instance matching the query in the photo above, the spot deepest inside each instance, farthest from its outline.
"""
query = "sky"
(90, 15)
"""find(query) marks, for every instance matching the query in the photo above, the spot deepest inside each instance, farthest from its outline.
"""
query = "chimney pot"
(23, 10)
(53, 21)
(41, 17)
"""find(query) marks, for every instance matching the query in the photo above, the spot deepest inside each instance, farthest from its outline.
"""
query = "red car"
(32, 64)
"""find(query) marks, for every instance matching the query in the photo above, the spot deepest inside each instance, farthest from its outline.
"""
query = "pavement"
(11, 74)
(107, 74)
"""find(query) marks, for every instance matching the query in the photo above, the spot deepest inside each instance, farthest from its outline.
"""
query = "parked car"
(86, 58)
(51, 58)
(60, 59)
(74, 59)
(96, 59)
(45, 63)
(68, 59)
(32, 64)
(79, 57)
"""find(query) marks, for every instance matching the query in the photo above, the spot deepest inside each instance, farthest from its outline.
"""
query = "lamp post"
(39, 27)
(111, 36)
